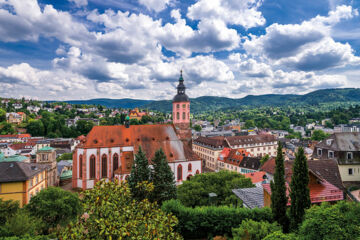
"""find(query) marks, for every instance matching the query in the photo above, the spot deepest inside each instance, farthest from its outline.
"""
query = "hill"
(207, 103)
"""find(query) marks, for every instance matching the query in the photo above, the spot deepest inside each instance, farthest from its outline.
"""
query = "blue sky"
(83, 49)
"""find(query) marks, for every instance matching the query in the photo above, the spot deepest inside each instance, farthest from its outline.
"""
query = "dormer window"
(349, 155)
(330, 154)
(328, 142)
(319, 152)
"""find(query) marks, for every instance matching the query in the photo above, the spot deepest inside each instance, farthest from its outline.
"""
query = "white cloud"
(79, 3)
(156, 5)
(307, 46)
(244, 12)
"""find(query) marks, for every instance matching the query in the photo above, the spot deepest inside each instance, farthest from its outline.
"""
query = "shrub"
(279, 235)
(202, 222)
(250, 229)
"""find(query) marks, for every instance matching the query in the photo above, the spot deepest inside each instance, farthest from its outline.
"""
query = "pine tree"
(163, 179)
(278, 192)
(140, 172)
(299, 189)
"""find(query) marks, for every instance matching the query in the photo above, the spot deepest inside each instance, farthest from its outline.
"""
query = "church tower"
(181, 111)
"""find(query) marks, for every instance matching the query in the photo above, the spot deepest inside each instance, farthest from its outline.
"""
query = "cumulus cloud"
(79, 3)
(244, 13)
(307, 46)
(156, 5)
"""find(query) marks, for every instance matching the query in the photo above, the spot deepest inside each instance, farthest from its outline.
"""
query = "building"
(67, 143)
(344, 148)
(347, 128)
(108, 152)
(238, 160)
(15, 118)
(209, 148)
(325, 183)
(136, 114)
(47, 157)
(21, 181)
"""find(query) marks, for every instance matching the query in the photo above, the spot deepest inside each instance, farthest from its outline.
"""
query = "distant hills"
(206, 103)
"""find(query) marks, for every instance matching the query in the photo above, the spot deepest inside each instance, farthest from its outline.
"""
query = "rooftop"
(19, 171)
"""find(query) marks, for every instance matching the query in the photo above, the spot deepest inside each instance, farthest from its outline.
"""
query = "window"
(349, 155)
(115, 161)
(184, 105)
(92, 167)
(183, 116)
(179, 173)
(178, 116)
(80, 166)
(31, 182)
(177, 105)
(350, 171)
(189, 167)
(104, 166)
(319, 152)
(331, 154)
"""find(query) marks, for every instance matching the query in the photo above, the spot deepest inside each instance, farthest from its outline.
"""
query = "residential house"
(344, 148)
(17, 105)
(347, 128)
(15, 118)
(238, 160)
(208, 149)
(21, 181)
(47, 156)
(136, 114)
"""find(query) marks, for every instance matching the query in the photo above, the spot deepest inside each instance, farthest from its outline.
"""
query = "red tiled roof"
(212, 141)
(24, 135)
(149, 137)
(239, 140)
(256, 176)
(269, 166)
(8, 136)
(20, 113)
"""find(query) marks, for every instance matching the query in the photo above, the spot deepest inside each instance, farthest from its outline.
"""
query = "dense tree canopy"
(112, 213)
(195, 192)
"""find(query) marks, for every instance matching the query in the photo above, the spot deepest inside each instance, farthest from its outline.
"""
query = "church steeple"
(181, 96)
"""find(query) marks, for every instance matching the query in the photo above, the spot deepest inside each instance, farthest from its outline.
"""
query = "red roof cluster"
(256, 177)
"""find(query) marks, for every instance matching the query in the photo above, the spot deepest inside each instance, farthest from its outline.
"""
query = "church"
(108, 152)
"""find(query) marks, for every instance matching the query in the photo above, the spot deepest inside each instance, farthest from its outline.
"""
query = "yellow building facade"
(22, 181)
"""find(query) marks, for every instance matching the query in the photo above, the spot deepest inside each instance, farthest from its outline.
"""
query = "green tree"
(35, 128)
(278, 235)
(65, 156)
(55, 206)
(7, 128)
(249, 124)
(197, 127)
(299, 189)
(278, 192)
(250, 229)
(340, 221)
(21, 223)
(83, 126)
(8, 208)
(163, 178)
(2, 115)
(112, 213)
(140, 172)
(318, 135)
(195, 191)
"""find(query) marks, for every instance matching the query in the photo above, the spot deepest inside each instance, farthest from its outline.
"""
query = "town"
(179, 120)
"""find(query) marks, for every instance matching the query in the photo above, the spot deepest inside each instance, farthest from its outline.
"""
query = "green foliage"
(334, 222)
(249, 124)
(55, 206)
(65, 156)
(84, 127)
(6, 128)
(2, 115)
(35, 128)
(278, 235)
(195, 191)
(112, 213)
(197, 127)
(7, 209)
(163, 179)
(264, 159)
(278, 192)
(319, 135)
(140, 172)
(26, 237)
(299, 189)
(205, 221)
(250, 229)
(20, 224)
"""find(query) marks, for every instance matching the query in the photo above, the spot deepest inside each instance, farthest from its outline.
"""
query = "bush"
(202, 222)
(250, 229)
(279, 235)
(21, 224)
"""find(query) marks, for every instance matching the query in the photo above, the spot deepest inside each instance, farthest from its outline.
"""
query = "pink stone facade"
(181, 112)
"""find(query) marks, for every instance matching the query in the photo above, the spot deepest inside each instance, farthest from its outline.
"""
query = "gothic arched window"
(179, 172)
(104, 166)
(80, 166)
(115, 161)
(184, 116)
(178, 116)
(92, 166)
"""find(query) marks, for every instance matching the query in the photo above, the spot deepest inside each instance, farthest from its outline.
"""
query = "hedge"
(205, 221)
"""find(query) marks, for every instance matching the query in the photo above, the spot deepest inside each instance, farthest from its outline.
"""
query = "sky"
(85, 49)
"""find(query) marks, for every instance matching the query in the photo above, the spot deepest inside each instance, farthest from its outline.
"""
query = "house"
(257, 178)
(67, 143)
(47, 156)
(208, 149)
(21, 181)
(347, 128)
(108, 151)
(15, 118)
(325, 182)
(238, 160)
(33, 109)
(73, 122)
(17, 105)
(343, 148)
(136, 114)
